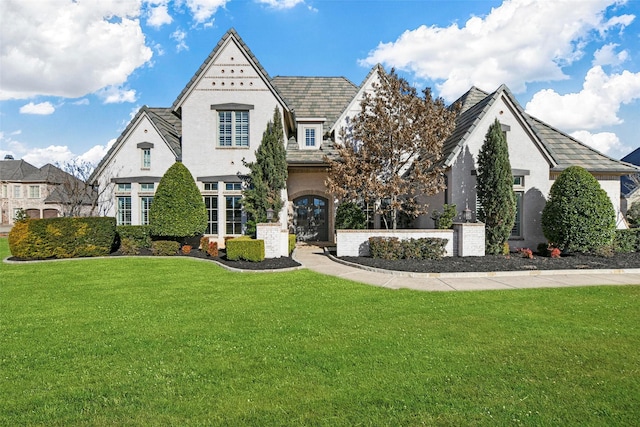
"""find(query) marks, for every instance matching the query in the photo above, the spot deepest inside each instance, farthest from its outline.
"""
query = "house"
(217, 122)
(630, 185)
(40, 192)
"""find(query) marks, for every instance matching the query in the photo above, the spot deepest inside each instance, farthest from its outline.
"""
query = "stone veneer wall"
(466, 239)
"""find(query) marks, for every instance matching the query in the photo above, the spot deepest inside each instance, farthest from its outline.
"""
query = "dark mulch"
(514, 262)
(267, 264)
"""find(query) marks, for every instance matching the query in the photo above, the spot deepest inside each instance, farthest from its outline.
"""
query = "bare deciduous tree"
(77, 196)
(391, 149)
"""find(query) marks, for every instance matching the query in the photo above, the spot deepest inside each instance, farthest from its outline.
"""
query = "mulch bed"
(267, 264)
(514, 262)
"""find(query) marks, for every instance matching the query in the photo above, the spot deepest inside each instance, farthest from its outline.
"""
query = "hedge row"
(62, 237)
(132, 238)
(245, 248)
(394, 248)
(627, 241)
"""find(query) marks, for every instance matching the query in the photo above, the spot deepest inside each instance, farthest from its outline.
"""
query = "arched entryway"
(310, 218)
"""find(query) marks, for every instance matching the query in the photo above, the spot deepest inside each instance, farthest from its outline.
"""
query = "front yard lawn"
(140, 341)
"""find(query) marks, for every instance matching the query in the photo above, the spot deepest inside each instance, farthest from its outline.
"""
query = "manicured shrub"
(129, 246)
(444, 219)
(165, 247)
(349, 216)
(393, 248)
(292, 243)
(633, 214)
(578, 215)
(245, 248)
(626, 241)
(64, 237)
(178, 210)
(186, 249)
(137, 236)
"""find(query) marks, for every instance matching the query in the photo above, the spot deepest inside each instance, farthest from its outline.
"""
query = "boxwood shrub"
(62, 237)
(245, 248)
(165, 247)
(132, 238)
(292, 243)
(394, 248)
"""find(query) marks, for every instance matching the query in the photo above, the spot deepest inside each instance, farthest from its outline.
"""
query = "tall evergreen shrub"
(178, 210)
(579, 215)
(495, 189)
(267, 175)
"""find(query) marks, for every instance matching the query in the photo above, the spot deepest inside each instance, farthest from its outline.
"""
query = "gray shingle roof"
(297, 156)
(16, 170)
(564, 150)
(325, 97)
(170, 126)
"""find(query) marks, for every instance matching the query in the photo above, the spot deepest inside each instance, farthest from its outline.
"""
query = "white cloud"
(52, 154)
(203, 10)
(83, 101)
(605, 142)
(68, 49)
(596, 105)
(96, 153)
(607, 55)
(518, 42)
(179, 36)
(158, 14)
(117, 95)
(43, 108)
(281, 4)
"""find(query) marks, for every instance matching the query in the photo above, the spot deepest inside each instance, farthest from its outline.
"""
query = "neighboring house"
(40, 192)
(630, 185)
(217, 122)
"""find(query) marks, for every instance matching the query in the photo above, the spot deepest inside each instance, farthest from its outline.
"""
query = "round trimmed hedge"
(579, 215)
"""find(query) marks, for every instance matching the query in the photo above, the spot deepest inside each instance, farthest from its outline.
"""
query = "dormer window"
(310, 133)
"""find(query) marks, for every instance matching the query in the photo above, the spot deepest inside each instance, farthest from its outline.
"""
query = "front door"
(310, 219)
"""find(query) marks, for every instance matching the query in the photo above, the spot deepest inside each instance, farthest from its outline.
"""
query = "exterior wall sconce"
(467, 214)
(269, 215)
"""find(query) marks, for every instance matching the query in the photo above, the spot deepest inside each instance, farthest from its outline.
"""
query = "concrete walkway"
(314, 258)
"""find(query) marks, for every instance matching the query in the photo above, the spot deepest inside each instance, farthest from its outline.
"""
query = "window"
(310, 137)
(210, 186)
(123, 215)
(147, 187)
(146, 158)
(17, 191)
(211, 203)
(34, 191)
(233, 186)
(518, 187)
(233, 128)
(145, 205)
(517, 226)
(124, 188)
(4, 191)
(234, 215)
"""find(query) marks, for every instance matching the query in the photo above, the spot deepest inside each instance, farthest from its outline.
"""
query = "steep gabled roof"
(230, 35)
(164, 120)
(560, 149)
(16, 170)
(316, 97)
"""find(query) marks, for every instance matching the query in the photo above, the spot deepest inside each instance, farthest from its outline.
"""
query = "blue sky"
(72, 74)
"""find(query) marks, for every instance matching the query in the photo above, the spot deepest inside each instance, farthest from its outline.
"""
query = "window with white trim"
(211, 203)
(233, 214)
(145, 207)
(518, 189)
(34, 191)
(147, 187)
(146, 158)
(123, 215)
(17, 191)
(233, 128)
(310, 137)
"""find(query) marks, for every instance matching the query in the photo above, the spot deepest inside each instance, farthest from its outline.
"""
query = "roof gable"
(230, 42)
(166, 123)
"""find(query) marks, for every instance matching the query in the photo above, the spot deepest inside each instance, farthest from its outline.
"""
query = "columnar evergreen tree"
(390, 153)
(579, 215)
(268, 175)
(495, 189)
(178, 210)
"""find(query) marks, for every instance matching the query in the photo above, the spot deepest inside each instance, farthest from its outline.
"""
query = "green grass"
(129, 341)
